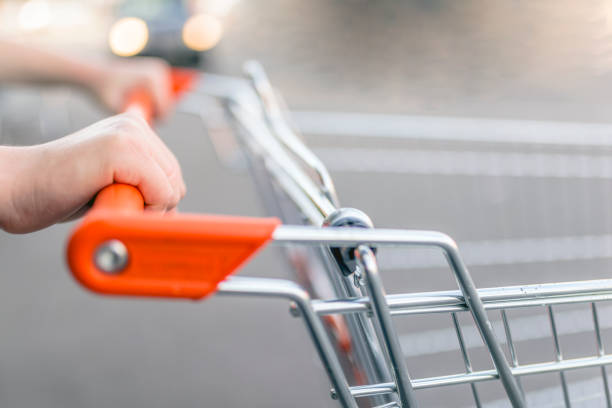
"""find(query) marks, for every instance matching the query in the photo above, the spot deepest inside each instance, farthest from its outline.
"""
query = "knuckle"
(116, 140)
(137, 122)
(122, 145)
(127, 128)
(124, 124)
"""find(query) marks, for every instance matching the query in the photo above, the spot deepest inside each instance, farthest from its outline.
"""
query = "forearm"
(6, 184)
(23, 62)
(108, 78)
(48, 183)
(13, 170)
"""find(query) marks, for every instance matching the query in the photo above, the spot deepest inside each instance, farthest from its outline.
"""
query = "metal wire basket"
(339, 292)
(277, 145)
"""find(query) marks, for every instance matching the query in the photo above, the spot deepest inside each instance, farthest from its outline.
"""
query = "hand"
(44, 184)
(116, 78)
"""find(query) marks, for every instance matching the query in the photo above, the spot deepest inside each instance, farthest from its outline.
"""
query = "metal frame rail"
(263, 130)
(451, 302)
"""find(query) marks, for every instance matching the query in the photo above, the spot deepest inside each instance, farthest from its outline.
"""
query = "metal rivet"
(111, 257)
(294, 310)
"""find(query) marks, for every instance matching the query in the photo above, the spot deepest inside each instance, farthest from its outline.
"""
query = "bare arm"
(44, 184)
(108, 78)
(23, 62)
(48, 183)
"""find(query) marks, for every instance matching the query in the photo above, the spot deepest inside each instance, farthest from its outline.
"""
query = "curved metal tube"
(367, 260)
(274, 114)
(291, 291)
(358, 236)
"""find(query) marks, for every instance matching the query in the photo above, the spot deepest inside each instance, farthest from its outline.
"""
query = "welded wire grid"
(512, 331)
(528, 202)
(501, 303)
(499, 160)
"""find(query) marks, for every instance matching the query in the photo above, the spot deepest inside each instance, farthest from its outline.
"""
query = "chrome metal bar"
(264, 144)
(510, 343)
(274, 115)
(466, 357)
(601, 353)
(564, 365)
(244, 105)
(558, 355)
(493, 298)
(553, 327)
(389, 405)
(305, 204)
(365, 354)
(367, 261)
(486, 375)
(361, 391)
(366, 349)
(291, 291)
(340, 236)
(269, 143)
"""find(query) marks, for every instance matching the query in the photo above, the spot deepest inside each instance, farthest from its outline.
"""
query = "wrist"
(22, 174)
(11, 165)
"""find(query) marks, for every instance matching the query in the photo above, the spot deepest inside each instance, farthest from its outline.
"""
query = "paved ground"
(523, 213)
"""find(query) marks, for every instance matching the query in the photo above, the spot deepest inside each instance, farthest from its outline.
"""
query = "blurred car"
(175, 30)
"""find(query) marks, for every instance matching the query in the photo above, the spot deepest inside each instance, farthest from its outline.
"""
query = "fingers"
(57, 179)
(166, 160)
(148, 164)
(144, 172)
(158, 193)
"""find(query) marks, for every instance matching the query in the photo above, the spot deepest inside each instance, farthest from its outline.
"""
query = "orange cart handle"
(141, 102)
(120, 249)
(119, 198)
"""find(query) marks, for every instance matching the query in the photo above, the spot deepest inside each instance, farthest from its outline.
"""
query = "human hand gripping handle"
(120, 249)
(140, 102)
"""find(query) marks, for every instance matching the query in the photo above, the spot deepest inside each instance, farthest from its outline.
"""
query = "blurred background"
(490, 121)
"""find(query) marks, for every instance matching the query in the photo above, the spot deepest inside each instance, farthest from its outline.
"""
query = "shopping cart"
(338, 291)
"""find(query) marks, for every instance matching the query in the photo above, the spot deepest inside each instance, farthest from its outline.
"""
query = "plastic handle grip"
(178, 255)
(141, 102)
(152, 254)
(119, 198)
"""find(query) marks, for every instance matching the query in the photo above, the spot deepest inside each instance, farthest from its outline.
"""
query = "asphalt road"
(502, 143)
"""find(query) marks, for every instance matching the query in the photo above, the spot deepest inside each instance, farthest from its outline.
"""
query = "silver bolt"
(111, 257)
(358, 277)
(294, 310)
